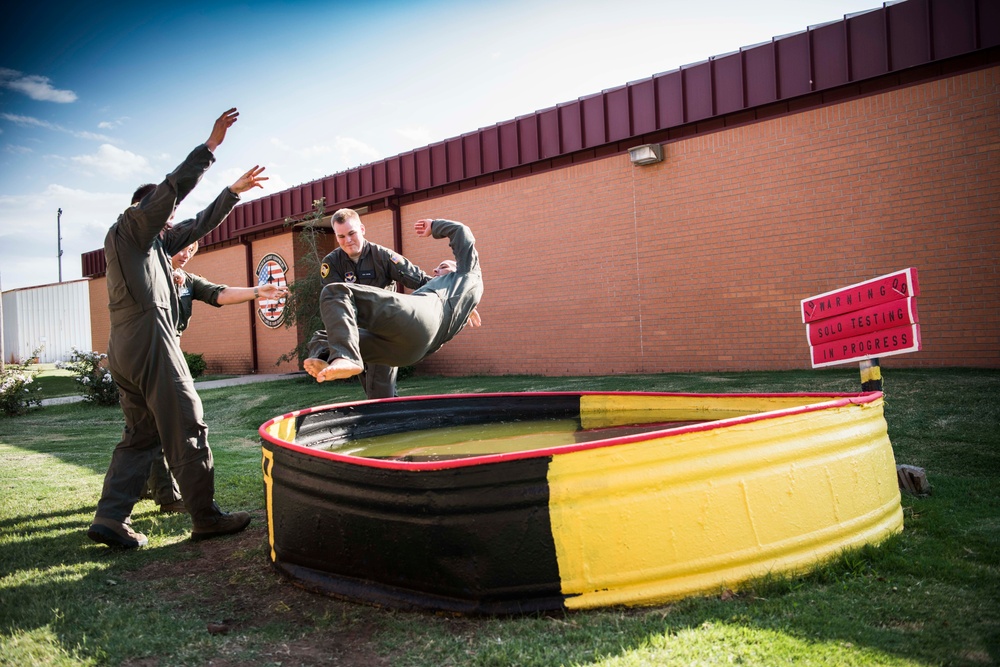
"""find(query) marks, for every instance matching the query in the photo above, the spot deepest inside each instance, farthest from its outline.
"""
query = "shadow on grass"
(928, 596)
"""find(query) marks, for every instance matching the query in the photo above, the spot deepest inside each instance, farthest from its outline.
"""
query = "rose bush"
(91, 371)
(18, 389)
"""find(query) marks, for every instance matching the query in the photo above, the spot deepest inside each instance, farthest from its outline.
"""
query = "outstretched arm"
(249, 180)
(185, 233)
(222, 124)
(232, 295)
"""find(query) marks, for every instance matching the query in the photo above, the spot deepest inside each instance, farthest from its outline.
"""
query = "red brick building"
(790, 168)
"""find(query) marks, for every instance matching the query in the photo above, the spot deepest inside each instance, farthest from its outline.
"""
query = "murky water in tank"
(483, 439)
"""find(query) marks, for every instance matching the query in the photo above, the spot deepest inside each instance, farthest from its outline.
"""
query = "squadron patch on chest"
(349, 277)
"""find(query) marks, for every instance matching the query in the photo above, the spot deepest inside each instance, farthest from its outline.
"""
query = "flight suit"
(379, 267)
(368, 324)
(161, 485)
(157, 394)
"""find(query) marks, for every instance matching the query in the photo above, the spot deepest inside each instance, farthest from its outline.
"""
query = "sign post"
(863, 322)
(871, 375)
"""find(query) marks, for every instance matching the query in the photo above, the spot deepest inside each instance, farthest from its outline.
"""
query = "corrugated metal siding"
(859, 47)
(54, 317)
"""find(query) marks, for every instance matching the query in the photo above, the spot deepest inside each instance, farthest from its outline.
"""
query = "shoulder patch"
(394, 258)
(324, 270)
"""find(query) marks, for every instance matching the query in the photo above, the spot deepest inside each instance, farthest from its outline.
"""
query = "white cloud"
(115, 162)
(351, 152)
(278, 143)
(27, 121)
(317, 151)
(112, 124)
(17, 150)
(418, 135)
(35, 86)
(355, 152)
(31, 121)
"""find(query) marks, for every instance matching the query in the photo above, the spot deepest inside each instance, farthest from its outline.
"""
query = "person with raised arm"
(156, 391)
(370, 325)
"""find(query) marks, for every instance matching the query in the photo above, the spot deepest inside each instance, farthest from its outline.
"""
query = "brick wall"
(100, 324)
(698, 263)
(221, 335)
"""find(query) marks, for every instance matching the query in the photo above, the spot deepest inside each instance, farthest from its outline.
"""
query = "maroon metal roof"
(861, 46)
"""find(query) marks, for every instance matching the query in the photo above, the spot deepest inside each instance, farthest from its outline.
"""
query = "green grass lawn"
(926, 597)
(55, 382)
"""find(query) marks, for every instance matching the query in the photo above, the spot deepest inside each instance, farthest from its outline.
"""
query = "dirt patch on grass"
(230, 582)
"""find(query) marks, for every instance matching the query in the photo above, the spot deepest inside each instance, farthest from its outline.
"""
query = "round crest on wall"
(271, 269)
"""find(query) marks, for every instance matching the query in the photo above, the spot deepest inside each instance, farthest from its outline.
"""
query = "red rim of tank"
(834, 399)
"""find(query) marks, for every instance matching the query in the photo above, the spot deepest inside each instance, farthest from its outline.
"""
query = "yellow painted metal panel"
(651, 521)
(604, 410)
(282, 428)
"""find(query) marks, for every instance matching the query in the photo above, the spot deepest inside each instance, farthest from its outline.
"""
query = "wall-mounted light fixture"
(646, 154)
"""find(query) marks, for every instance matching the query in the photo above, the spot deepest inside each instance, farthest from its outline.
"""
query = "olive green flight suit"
(368, 324)
(158, 398)
(161, 485)
(379, 267)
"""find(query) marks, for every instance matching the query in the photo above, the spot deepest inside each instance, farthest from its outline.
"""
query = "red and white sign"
(882, 343)
(876, 318)
(898, 285)
(887, 315)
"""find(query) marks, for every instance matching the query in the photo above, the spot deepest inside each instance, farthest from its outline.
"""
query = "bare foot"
(339, 369)
(313, 366)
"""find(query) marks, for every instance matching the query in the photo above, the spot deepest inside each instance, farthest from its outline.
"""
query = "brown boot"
(175, 507)
(225, 524)
(116, 534)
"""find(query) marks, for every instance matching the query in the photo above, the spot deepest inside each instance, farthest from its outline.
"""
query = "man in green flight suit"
(371, 325)
(157, 395)
(359, 261)
(161, 486)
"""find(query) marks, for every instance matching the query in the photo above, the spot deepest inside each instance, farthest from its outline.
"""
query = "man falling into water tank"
(358, 260)
(156, 392)
(371, 325)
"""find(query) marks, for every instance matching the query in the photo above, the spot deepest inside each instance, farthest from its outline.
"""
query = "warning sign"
(867, 320)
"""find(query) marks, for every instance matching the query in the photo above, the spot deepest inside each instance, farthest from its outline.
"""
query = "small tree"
(302, 302)
(91, 371)
(18, 389)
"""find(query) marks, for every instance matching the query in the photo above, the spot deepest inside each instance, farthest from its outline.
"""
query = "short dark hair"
(344, 215)
(142, 191)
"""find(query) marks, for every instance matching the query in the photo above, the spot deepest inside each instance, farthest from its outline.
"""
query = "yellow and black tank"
(524, 502)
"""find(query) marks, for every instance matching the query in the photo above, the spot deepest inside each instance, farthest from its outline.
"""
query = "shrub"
(91, 371)
(196, 363)
(18, 390)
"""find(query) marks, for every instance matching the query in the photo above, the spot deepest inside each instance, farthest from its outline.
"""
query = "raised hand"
(423, 227)
(251, 179)
(272, 291)
(222, 123)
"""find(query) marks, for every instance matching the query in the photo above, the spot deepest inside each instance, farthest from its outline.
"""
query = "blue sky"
(95, 100)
